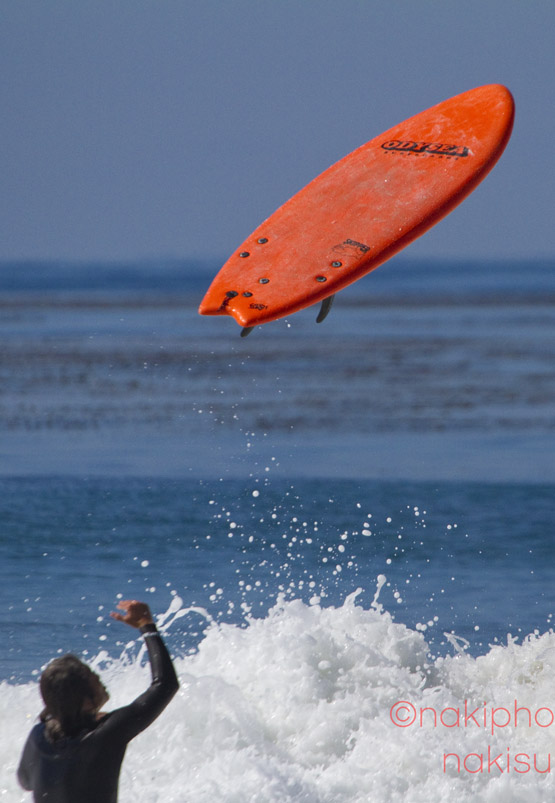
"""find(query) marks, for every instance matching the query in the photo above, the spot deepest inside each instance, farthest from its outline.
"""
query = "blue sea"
(331, 521)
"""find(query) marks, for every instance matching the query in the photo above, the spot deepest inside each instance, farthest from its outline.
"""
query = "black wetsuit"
(86, 769)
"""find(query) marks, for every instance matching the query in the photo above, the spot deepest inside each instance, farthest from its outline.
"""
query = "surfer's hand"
(137, 614)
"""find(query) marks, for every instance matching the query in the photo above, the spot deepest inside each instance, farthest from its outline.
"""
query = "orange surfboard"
(363, 209)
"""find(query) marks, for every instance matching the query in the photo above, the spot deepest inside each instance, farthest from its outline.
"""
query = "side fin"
(246, 330)
(325, 308)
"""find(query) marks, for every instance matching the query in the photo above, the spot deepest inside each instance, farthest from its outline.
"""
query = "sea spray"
(297, 706)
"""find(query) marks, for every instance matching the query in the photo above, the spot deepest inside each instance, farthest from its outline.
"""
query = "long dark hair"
(66, 685)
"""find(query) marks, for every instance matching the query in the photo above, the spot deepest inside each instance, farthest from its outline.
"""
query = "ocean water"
(346, 529)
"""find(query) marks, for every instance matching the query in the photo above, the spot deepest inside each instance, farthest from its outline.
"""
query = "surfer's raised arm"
(75, 752)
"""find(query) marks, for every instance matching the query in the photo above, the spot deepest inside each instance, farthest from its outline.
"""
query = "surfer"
(75, 753)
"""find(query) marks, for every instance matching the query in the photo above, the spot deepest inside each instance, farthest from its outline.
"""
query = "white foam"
(298, 707)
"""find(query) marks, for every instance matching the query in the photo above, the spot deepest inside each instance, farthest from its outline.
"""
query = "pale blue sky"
(171, 128)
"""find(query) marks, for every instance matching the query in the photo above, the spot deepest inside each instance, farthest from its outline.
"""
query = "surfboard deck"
(364, 209)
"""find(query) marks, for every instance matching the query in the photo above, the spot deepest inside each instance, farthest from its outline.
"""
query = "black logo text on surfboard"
(432, 148)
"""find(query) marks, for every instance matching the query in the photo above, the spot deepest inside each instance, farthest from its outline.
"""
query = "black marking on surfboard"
(228, 296)
(349, 248)
(325, 308)
(432, 148)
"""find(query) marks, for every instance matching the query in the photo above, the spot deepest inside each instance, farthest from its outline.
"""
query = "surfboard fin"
(246, 330)
(325, 308)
